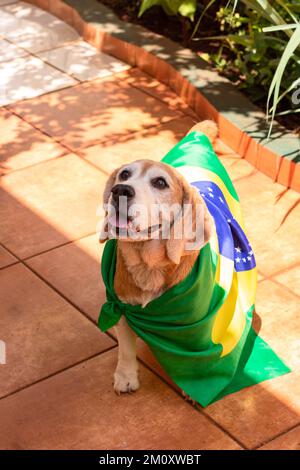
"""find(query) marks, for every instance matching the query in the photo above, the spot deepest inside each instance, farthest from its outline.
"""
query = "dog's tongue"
(120, 221)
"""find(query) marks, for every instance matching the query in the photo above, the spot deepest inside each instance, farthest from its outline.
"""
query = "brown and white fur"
(147, 267)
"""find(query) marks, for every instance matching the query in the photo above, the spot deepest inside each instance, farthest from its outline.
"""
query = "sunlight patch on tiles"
(28, 77)
(33, 28)
(83, 61)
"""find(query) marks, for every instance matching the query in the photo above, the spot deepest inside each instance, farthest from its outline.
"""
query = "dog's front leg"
(126, 373)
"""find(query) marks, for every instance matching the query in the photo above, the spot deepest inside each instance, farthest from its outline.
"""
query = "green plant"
(263, 39)
(259, 45)
(289, 53)
(186, 8)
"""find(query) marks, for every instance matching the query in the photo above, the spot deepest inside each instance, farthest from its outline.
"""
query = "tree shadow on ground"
(72, 270)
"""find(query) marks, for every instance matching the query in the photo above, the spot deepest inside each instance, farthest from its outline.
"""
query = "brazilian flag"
(200, 330)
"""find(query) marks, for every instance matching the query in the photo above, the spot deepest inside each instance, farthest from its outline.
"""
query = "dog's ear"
(176, 243)
(192, 229)
(103, 236)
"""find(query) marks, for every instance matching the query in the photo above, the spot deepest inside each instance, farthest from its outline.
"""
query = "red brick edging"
(265, 158)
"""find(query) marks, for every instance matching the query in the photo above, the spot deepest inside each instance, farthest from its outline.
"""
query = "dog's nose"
(122, 190)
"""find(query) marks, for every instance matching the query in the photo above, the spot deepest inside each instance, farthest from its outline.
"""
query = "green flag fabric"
(200, 330)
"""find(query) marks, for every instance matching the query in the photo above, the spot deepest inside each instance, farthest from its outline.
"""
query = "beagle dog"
(142, 200)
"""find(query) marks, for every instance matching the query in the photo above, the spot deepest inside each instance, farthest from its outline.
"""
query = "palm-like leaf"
(274, 89)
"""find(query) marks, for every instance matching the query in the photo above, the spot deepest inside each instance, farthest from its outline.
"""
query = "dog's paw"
(125, 381)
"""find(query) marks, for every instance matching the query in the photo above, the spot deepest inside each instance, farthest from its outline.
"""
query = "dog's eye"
(159, 183)
(124, 175)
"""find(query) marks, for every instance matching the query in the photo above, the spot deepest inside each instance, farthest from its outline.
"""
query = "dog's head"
(149, 200)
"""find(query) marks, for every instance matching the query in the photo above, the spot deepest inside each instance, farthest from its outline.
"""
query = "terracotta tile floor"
(56, 151)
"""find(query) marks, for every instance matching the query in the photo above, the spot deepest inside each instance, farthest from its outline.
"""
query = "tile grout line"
(70, 75)
(116, 142)
(9, 265)
(141, 360)
(286, 431)
(60, 371)
(253, 173)
(74, 305)
(283, 286)
(28, 258)
(172, 107)
(42, 51)
(64, 44)
(34, 54)
(145, 365)
(77, 152)
(10, 106)
(278, 273)
(15, 113)
(69, 150)
(66, 87)
(183, 111)
(203, 412)
(69, 242)
(198, 409)
(82, 39)
(58, 292)
(79, 309)
(222, 428)
(29, 53)
(33, 165)
(111, 347)
(284, 270)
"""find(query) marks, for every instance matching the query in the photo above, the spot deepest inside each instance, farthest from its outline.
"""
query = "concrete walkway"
(68, 116)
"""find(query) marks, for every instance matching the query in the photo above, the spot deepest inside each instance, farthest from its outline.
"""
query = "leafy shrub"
(259, 45)
(185, 8)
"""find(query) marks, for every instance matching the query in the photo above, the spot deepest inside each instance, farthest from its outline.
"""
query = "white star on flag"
(237, 249)
(250, 253)
(211, 195)
(249, 258)
(221, 199)
(209, 189)
(244, 259)
(237, 259)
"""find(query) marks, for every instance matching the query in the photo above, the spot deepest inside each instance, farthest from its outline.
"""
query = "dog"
(148, 264)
